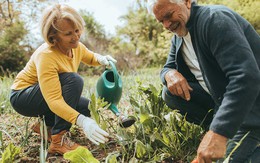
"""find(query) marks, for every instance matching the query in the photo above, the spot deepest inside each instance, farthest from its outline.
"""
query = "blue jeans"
(199, 110)
(30, 102)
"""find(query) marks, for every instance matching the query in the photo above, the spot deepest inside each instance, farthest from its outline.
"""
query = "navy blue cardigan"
(228, 51)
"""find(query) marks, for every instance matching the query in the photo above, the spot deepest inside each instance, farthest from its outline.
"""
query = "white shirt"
(191, 60)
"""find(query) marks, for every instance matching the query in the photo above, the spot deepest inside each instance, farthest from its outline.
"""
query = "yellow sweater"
(44, 68)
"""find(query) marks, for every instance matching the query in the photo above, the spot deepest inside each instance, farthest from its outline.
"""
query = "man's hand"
(211, 148)
(177, 84)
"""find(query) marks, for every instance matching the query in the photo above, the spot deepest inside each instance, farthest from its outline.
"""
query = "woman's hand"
(91, 129)
(104, 60)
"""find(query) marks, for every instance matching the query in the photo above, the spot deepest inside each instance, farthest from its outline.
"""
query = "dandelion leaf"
(111, 158)
(80, 154)
(140, 149)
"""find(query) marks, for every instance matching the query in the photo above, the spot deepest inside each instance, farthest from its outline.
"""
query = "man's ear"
(188, 4)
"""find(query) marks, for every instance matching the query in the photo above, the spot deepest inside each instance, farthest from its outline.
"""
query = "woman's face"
(68, 35)
(174, 17)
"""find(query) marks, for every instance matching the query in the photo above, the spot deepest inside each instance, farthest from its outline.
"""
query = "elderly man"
(213, 65)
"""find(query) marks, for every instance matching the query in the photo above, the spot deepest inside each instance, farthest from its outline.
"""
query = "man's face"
(173, 16)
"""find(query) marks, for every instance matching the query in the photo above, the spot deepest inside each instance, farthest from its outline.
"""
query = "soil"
(16, 129)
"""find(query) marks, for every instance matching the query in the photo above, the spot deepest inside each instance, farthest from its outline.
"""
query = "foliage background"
(140, 42)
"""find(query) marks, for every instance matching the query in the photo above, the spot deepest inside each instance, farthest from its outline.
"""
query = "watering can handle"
(115, 72)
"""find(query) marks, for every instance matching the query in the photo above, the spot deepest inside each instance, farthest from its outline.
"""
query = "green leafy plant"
(5, 84)
(235, 148)
(112, 157)
(10, 153)
(1, 139)
(80, 154)
(96, 107)
(153, 137)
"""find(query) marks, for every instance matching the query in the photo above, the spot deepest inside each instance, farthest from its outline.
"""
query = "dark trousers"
(248, 151)
(200, 110)
(30, 102)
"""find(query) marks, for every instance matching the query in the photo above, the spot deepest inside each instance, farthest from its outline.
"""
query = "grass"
(151, 139)
(5, 84)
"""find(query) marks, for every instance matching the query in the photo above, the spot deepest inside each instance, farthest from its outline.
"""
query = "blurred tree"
(12, 32)
(15, 23)
(249, 9)
(29, 11)
(12, 55)
(140, 40)
(95, 36)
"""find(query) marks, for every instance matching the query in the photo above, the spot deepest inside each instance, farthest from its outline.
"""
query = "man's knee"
(169, 99)
(164, 92)
(192, 109)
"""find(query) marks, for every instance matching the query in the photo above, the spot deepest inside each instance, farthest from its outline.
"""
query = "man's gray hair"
(151, 3)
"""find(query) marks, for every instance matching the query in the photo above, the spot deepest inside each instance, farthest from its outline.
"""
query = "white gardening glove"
(103, 60)
(91, 129)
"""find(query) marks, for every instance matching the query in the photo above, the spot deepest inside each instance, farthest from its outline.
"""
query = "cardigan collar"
(193, 15)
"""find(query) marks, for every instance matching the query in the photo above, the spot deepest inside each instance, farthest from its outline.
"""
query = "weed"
(153, 138)
(44, 141)
(5, 84)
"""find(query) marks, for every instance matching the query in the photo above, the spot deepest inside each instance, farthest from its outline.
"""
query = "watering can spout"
(114, 109)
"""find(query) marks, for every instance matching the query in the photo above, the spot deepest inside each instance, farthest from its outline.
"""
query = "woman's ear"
(51, 39)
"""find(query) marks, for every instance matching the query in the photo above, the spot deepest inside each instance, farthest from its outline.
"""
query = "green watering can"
(109, 88)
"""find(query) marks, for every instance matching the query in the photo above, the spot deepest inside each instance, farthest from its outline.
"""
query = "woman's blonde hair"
(55, 13)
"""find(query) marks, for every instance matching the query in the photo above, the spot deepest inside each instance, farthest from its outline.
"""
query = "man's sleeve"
(229, 46)
(170, 63)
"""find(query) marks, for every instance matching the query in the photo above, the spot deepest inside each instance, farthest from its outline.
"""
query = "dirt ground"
(16, 129)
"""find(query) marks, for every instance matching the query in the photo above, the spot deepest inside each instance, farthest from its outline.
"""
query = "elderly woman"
(49, 85)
